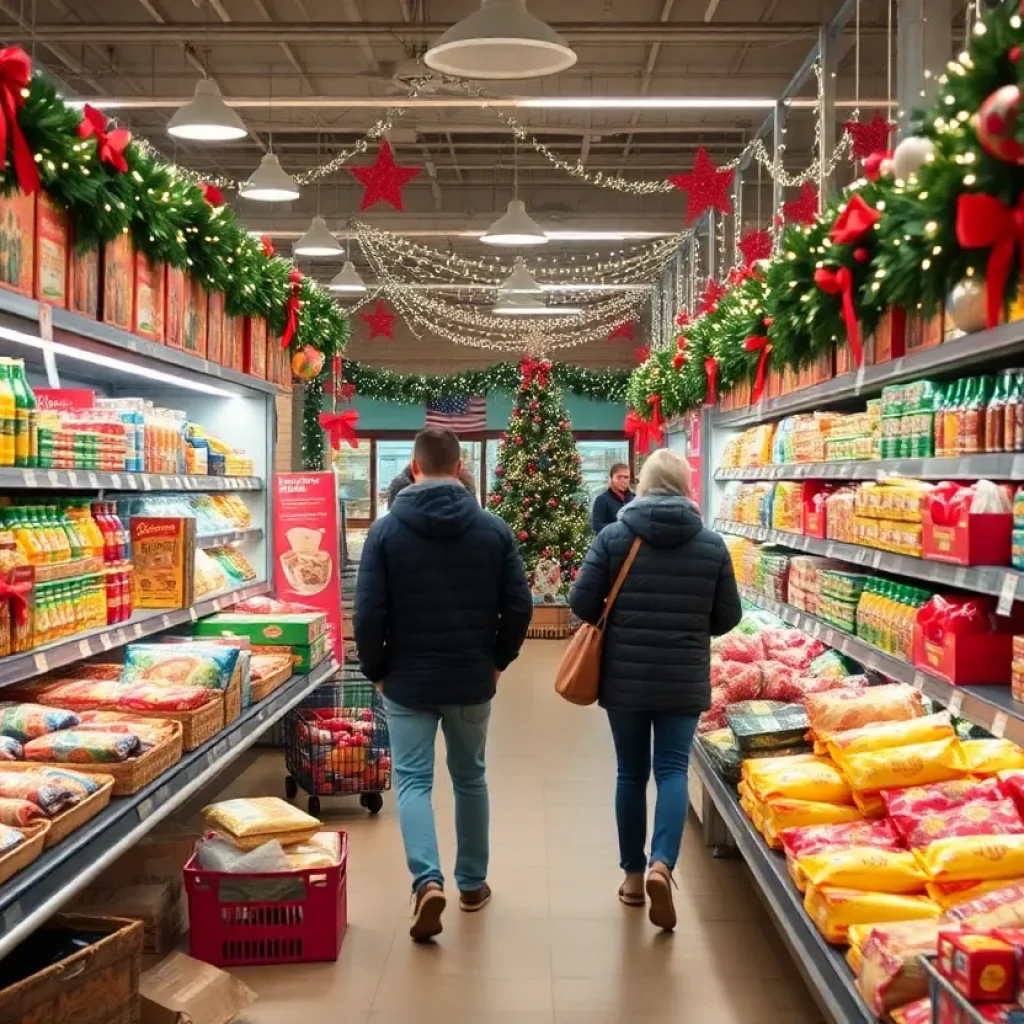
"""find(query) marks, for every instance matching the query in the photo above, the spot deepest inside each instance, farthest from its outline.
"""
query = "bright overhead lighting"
(529, 305)
(552, 236)
(270, 183)
(515, 227)
(519, 282)
(206, 117)
(645, 103)
(347, 280)
(318, 241)
(501, 41)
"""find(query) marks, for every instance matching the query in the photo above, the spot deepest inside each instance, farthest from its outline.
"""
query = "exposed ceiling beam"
(585, 149)
(288, 52)
(769, 11)
(645, 81)
(365, 46)
(455, 160)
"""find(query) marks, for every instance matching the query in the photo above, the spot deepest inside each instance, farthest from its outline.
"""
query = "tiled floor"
(555, 946)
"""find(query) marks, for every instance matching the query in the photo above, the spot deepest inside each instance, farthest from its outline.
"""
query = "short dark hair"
(437, 452)
(619, 467)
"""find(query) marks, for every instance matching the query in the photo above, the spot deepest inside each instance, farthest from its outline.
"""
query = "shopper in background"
(468, 481)
(609, 503)
(442, 607)
(398, 484)
(656, 662)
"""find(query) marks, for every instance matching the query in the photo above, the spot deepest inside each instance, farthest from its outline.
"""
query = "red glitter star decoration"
(380, 320)
(869, 137)
(682, 317)
(383, 180)
(705, 187)
(624, 331)
(804, 209)
(755, 245)
(643, 353)
(713, 291)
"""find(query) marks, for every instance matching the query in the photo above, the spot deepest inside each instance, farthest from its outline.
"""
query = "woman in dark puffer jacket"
(656, 663)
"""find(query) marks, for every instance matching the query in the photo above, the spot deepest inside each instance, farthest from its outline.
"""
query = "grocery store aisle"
(555, 946)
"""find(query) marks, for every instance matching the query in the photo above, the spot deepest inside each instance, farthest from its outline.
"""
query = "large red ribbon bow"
(840, 282)
(983, 221)
(292, 307)
(646, 434)
(15, 74)
(535, 370)
(340, 426)
(213, 195)
(267, 245)
(759, 343)
(110, 145)
(711, 369)
(17, 594)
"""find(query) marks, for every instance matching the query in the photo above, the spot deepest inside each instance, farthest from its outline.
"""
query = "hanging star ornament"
(384, 180)
(623, 332)
(706, 187)
(869, 137)
(713, 291)
(755, 245)
(804, 209)
(381, 321)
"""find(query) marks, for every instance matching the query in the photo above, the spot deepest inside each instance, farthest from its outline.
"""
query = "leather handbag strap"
(619, 580)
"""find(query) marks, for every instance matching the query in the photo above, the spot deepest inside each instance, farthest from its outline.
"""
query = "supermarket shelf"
(86, 480)
(1001, 466)
(994, 580)
(32, 895)
(823, 966)
(213, 540)
(991, 707)
(18, 667)
(961, 354)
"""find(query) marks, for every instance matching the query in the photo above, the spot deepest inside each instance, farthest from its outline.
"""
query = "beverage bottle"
(995, 415)
(92, 532)
(968, 400)
(7, 415)
(39, 531)
(56, 527)
(1018, 414)
(120, 534)
(79, 547)
(939, 420)
(99, 513)
(24, 413)
(951, 419)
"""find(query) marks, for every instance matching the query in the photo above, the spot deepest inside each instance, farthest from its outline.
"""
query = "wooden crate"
(550, 622)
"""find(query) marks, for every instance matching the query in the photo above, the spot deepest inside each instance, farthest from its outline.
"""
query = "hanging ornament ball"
(536, 419)
(519, 440)
(910, 156)
(495, 499)
(523, 535)
(997, 121)
(553, 502)
(307, 363)
(966, 305)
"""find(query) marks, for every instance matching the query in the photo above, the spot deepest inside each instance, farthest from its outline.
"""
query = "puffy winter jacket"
(442, 599)
(606, 508)
(679, 593)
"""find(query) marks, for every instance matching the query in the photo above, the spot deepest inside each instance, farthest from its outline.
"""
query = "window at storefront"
(352, 470)
(596, 461)
(392, 458)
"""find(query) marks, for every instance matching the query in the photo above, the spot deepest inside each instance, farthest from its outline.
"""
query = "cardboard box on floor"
(180, 990)
(160, 905)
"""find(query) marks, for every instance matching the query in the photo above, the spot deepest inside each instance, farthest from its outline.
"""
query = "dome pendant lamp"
(347, 281)
(515, 226)
(206, 117)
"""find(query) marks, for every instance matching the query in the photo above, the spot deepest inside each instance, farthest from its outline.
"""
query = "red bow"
(759, 343)
(110, 146)
(15, 74)
(267, 246)
(840, 282)
(646, 434)
(711, 369)
(535, 370)
(292, 307)
(856, 220)
(340, 426)
(982, 221)
(682, 317)
(17, 594)
(873, 164)
(212, 194)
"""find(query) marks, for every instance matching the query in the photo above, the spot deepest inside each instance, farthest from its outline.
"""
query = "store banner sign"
(306, 546)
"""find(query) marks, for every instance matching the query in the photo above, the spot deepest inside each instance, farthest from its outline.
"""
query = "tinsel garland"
(313, 438)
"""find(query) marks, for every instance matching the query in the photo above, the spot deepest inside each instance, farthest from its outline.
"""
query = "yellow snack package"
(898, 767)
(883, 735)
(755, 767)
(818, 780)
(854, 958)
(834, 910)
(780, 814)
(952, 894)
(865, 867)
(251, 822)
(987, 757)
(891, 973)
(838, 710)
(871, 805)
(973, 858)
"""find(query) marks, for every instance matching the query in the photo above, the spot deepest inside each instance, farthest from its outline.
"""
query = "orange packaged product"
(977, 818)
(839, 710)
(864, 867)
(917, 765)
(870, 805)
(818, 780)
(973, 858)
(882, 735)
(833, 910)
(979, 966)
(989, 757)
(1000, 908)
(891, 973)
(780, 814)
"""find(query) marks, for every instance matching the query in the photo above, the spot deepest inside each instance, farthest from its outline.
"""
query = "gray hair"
(666, 472)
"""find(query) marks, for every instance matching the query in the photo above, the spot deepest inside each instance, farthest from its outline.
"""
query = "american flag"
(463, 415)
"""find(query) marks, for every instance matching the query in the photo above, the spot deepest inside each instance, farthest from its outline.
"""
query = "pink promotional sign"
(306, 569)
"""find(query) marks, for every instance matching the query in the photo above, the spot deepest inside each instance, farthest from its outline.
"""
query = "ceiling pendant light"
(206, 117)
(519, 282)
(348, 281)
(515, 227)
(270, 183)
(501, 41)
(318, 241)
(530, 305)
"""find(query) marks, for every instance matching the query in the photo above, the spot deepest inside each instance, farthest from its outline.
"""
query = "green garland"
(314, 448)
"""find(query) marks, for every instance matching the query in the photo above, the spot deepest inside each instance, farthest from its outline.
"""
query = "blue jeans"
(413, 735)
(673, 737)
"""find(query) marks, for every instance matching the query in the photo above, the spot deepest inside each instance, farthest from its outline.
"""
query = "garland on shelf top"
(940, 217)
(109, 186)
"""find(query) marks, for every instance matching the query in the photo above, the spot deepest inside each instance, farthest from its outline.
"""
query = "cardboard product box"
(966, 660)
(180, 990)
(52, 252)
(305, 657)
(890, 337)
(215, 325)
(980, 539)
(233, 353)
(119, 282)
(174, 308)
(97, 985)
(255, 351)
(84, 282)
(981, 967)
(148, 310)
(163, 554)
(273, 629)
(17, 242)
(195, 318)
(160, 906)
(157, 857)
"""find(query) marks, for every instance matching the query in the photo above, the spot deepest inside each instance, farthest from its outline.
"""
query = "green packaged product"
(723, 753)
(305, 657)
(766, 724)
(275, 629)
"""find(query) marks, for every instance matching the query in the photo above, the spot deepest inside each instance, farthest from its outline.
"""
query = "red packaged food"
(976, 818)
(1011, 784)
(810, 839)
(738, 647)
(981, 967)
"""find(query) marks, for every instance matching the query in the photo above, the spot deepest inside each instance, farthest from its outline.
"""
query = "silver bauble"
(965, 305)
(911, 155)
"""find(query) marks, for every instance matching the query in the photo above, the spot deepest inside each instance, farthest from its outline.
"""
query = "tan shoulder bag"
(579, 673)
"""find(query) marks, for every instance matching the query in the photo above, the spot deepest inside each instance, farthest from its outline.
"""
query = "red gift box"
(119, 282)
(966, 660)
(979, 539)
(148, 312)
(980, 966)
(52, 248)
(815, 518)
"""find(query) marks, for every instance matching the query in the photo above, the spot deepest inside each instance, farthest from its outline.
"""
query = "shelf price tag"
(998, 727)
(1007, 592)
(53, 476)
(193, 613)
(94, 481)
(105, 642)
(72, 478)
(84, 649)
(956, 702)
(30, 478)
(46, 336)
(858, 380)
(919, 681)
(40, 663)
(145, 808)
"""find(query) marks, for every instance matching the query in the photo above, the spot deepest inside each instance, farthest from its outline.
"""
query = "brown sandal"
(662, 913)
(631, 899)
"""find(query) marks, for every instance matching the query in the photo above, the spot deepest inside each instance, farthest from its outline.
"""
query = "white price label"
(956, 702)
(1007, 592)
(919, 680)
(999, 721)
(138, 630)
(53, 477)
(115, 481)
(30, 478)
(876, 560)
(147, 483)
(145, 808)
(84, 649)
(72, 478)
(960, 577)
(46, 336)
(94, 481)
(12, 916)
(193, 614)
(40, 663)
(105, 641)
(858, 380)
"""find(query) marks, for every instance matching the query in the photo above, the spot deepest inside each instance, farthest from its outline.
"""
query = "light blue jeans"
(413, 735)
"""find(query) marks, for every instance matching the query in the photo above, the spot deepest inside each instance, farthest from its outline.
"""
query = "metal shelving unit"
(32, 895)
(999, 466)
(86, 480)
(212, 540)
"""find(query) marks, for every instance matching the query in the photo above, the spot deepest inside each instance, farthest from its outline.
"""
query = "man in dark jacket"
(608, 504)
(442, 607)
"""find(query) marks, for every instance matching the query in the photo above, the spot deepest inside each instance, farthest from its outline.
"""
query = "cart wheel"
(314, 806)
(291, 787)
(373, 802)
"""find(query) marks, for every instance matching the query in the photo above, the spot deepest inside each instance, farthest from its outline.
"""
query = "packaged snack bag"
(157, 697)
(905, 806)
(999, 908)
(150, 731)
(916, 765)
(252, 822)
(48, 794)
(766, 724)
(723, 753)
(832, 664)
(917, 1012)
(973, 858)
(977, 818)
(802, 842)
(84, 693)
(870, 805)
(736, 646)
(989, 757)
(10, 749)
(79, 785)
(864, 867)
(322, 851)
(84, 747)
(953, 894)
(27, 721)
(834, 910)
(204, 665)
(891, 974)
(10, 838)
(780, 814)
(883, 735)
(819, 780)
(850, 708)
(19, 813)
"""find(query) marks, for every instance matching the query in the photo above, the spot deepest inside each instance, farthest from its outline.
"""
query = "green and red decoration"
(292, 308)
(341, 427)
(110, 142)
(759, 343)
(623, 331)
(646, 433)
(755, 245)
(307, 362)
(15, 76)
(383, 180)
(706, 187)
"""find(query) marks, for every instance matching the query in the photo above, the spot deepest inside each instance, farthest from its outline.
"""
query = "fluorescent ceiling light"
(515, 227)
(318, 241)
(552, 236)
(501, 41)
(206, 117)
(270, 183)
(110, 363)
(347, 280)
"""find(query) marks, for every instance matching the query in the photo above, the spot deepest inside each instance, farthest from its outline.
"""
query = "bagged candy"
(832, 664)
(833, 910)
(261, 819)
(905, 806)
(50, 795)
(203, 665)
(84, 747)
(10, 838)
(780, 814)
(869, 804)
(785, 639)
(27, 721)
(953, 894)
(977, 818)
(10, 749)
(891, 973)
(883, 735)
(159, 697)
(18, 813)
(84, 693)
(801, 842)
(736, 646)
(735, 681)
(851, 708)
(916, 765)
(864, 867)
(79, 785)
(766, 725)
(973, 858)
(989, 757)
(150, 731)
(816, 780)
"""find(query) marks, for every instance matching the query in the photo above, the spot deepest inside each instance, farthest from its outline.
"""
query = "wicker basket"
(64, 824)
(24, 853)
(265, 687)
(550, 622)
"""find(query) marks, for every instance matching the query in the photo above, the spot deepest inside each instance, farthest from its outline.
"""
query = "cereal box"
(118, 282)
(195, 317)
(148, 315)
(17, 242)
(255, 352)
(174, 308)
(53, 243)
(163, 555)
(233, 354)
(84, 283)
(215, 326)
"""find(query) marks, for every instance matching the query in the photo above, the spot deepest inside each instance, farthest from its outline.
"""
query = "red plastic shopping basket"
(239, 920)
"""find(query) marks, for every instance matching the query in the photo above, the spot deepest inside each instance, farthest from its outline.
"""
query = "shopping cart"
(337, 744)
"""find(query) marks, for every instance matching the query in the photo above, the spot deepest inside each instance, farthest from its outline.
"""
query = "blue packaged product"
(23, 722)
(209, 666)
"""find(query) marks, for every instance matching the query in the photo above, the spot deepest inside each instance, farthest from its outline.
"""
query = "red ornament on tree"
(266, 246)
(553, 503)
(380, 320)
(755, 245)
(682, 317)
(347, 391)
(519, 440)
(536, 419)
(383, 180)
(523, 535)
(110, 145)
(678, 360)
(804, 209)
(213, 195)
(705, 187)
(567, 554)
(495, 499)
(869, 137)
(624, 331)
(997, 122)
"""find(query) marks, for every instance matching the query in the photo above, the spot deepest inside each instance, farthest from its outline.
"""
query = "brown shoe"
(475, 899)
(662, 912)
(427, 911)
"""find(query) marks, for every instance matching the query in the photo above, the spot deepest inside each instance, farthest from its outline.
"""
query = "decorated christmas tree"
(538, 487)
